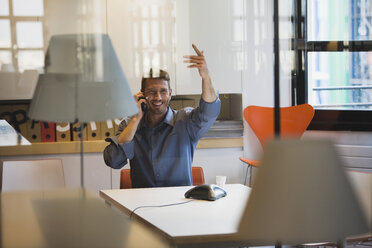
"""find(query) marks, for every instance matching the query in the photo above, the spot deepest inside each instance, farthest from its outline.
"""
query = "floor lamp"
(83, 82)
(301, 195)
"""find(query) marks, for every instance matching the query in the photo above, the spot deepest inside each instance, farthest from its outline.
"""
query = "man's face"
(158, 95)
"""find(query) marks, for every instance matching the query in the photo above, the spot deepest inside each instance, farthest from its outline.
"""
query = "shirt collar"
(168, 119)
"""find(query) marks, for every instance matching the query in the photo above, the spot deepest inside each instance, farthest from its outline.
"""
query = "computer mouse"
(208, 192)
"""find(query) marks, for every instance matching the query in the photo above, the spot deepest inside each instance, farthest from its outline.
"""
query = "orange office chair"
(197, 176)
(293, 122)
(126, 183)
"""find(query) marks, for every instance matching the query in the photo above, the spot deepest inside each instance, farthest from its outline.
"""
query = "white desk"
(191, 223)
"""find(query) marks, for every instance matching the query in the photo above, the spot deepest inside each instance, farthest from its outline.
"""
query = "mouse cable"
(159, 206)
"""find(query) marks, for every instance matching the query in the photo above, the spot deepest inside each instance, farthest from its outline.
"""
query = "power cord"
(159, 206)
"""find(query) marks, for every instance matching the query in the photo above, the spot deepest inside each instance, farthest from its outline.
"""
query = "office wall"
(222, 161)
(75, 16)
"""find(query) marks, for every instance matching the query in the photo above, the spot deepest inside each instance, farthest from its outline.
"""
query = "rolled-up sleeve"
(203, 117)
(210, 110)
(116, 155)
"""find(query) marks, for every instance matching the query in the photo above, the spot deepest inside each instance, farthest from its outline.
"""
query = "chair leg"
(249, 168)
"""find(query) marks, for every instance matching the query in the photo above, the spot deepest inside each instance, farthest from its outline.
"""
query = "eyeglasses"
(154, 93)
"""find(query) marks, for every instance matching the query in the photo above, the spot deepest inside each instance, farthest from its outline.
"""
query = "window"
(152, 39)
(335, 62)
(22, 35)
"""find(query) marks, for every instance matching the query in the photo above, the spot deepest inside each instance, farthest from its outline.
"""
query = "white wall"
(222, 161)
(143, 37)
(75, 16)
(219, 31)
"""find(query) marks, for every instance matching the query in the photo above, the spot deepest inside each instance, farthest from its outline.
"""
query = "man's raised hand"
(197, 61)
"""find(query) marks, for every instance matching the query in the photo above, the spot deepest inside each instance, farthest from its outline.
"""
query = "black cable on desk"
(159, 206)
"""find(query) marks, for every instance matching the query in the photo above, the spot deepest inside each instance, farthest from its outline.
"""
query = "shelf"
(99, 145)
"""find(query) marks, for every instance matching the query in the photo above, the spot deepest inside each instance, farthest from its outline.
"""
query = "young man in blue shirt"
(160, 142)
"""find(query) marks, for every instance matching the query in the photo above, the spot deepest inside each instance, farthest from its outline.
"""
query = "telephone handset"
(143, 105)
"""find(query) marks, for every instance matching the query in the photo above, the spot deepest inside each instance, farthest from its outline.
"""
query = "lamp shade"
(83, 82)
(301, 195)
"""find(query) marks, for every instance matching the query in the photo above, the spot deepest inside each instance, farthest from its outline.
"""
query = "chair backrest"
(43, 174)
(293, 121)
(197, 176)
(126, 183)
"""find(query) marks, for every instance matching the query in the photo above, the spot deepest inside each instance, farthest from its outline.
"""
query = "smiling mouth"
(157, 104)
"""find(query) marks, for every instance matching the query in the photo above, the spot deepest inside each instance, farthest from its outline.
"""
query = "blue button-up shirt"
(162, 156)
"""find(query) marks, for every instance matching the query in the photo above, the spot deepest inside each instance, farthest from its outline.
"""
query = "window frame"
(14, 49)
(331, 120)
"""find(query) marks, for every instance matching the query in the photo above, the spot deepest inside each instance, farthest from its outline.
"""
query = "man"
(160, 142)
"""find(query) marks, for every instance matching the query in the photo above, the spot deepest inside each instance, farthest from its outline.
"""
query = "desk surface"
(67, 218)
(195, 221)
(9, 136)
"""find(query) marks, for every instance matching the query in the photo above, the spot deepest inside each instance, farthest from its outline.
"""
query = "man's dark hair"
(161, 75)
